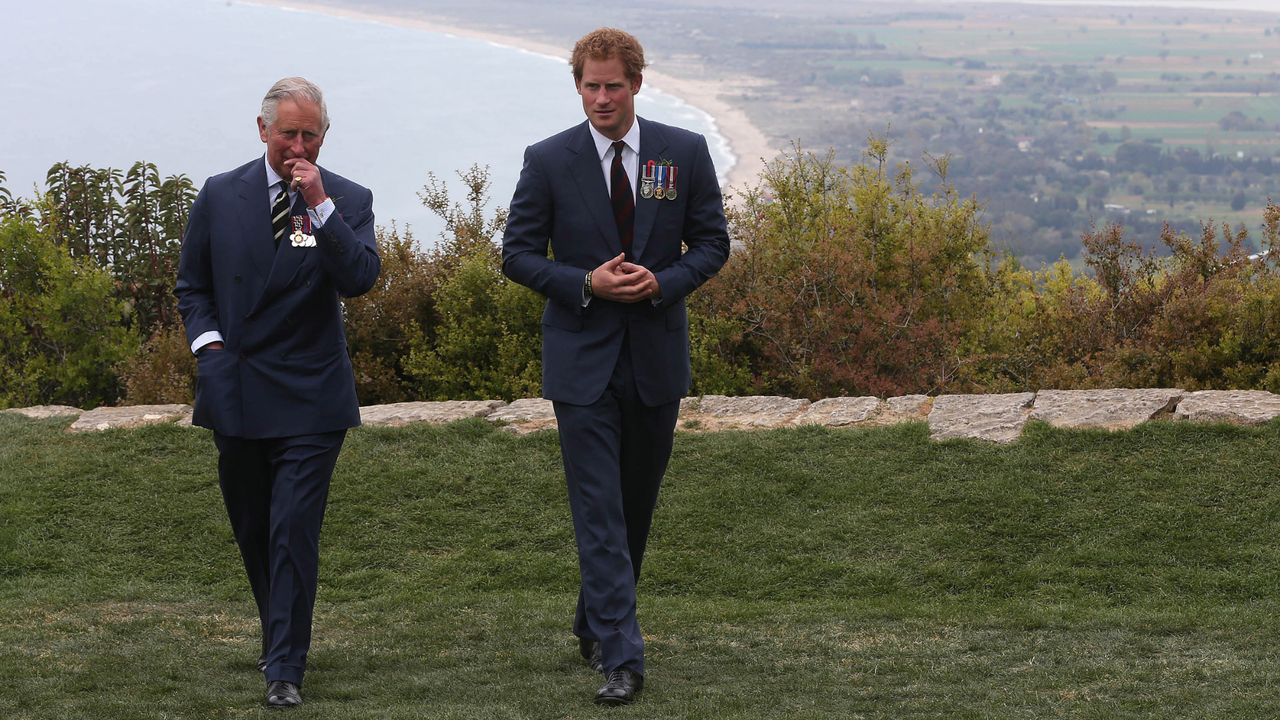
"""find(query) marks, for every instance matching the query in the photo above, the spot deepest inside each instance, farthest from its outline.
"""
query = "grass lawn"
(803, 573)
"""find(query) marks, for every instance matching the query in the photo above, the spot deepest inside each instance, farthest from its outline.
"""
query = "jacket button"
(288, 321)
(239, 279)
(308, 283)
(242, 356)
(284, 356)
(248, 319)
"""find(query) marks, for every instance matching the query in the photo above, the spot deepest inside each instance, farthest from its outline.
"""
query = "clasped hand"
(624, 282)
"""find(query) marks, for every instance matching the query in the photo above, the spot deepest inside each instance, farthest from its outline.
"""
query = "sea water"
(179, 83)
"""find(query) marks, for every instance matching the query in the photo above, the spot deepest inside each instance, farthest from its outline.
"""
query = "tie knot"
(618, 147)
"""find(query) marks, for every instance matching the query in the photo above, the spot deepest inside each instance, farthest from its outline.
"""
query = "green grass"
(792, 574)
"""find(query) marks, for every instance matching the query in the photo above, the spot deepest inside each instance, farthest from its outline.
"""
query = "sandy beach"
(747, 143)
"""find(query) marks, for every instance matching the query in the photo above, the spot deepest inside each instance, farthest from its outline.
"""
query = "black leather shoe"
(281, 694)
(621, 689)
(591, 652)
(262, 658)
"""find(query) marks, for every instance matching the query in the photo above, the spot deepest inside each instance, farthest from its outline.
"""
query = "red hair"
(606, 44)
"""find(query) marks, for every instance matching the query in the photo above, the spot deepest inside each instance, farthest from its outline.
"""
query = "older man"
(615, 198)
(269, 250)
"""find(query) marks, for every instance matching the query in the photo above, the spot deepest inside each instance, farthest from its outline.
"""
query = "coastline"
(749, 147)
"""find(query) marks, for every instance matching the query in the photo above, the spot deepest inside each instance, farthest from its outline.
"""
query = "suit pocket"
(558, 316)
(677, 317)
(218, 391)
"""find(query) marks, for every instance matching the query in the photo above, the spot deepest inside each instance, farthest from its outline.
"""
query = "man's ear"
(262, 129)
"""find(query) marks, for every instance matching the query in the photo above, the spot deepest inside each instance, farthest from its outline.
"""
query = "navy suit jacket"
(561, 200)
(285, 369)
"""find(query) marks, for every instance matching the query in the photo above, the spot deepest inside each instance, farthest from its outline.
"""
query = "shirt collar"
(632, 139)
(272, 178)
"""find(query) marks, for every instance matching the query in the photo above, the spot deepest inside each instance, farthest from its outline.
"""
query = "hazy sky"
(1268, 6)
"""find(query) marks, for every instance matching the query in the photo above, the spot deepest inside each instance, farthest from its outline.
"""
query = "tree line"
(872, 278)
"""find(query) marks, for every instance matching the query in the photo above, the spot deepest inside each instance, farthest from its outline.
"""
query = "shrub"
(1203, 317)
(61, 331)
(848, 280)
(488, 341)
(485, 338)
(380, 323)
(129, 223)
(162, 371)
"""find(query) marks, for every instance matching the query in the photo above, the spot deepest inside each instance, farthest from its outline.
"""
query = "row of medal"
(302, 236)
(658, 181)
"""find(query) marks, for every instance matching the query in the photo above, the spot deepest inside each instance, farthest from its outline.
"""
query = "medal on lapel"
(671, 183)
(647, 179)
(302, 236)
(661, 190)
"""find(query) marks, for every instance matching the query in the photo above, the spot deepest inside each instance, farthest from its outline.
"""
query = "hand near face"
(305, 178)
(624, 282)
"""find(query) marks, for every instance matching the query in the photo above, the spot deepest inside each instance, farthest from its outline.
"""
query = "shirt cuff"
(205, 338)
(321, 212)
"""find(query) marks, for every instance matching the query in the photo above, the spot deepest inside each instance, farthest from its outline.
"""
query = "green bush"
(381, 323)
(486, 338)
(488, 341)
(1205, 316)
(845, 281)
(62, 332)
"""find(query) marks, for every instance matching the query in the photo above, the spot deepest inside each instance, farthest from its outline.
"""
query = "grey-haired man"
(269, 250)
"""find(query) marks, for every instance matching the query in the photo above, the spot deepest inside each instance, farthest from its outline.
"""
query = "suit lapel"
(287, 257)
(652, 145)
(255, 217)
(585, 168)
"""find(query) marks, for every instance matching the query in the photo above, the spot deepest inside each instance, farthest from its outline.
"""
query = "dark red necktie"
(621, 197)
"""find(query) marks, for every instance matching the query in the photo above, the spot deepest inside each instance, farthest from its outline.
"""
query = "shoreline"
(747, 145)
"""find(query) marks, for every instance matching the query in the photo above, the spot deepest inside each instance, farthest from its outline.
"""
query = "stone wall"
(997, 418)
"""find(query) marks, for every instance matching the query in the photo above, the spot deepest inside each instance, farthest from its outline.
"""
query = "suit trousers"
(275, 490)
(615, 452)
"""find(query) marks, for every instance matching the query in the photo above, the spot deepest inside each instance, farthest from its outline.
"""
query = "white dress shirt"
(318, 214)
(630, 155)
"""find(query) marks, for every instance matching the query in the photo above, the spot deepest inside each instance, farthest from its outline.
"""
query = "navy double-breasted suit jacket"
(284, 370)
(561, 200)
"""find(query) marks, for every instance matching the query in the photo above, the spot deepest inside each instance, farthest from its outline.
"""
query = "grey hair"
(296, 89)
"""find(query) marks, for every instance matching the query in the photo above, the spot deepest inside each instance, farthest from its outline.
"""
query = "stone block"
(129, 416)
(40, 412)
(1110, 409)
(526, 415)
(717, 412)
(1240, 407)
(524, 410)
(998, 418)
(435, 413)
(905, 408)
(840, 412)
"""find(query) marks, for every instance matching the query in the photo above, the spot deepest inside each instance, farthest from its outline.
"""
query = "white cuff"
(321, 212)
(205, 338)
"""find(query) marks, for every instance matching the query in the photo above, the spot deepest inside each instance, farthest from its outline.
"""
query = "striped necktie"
(621, 197)
(280, 214)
